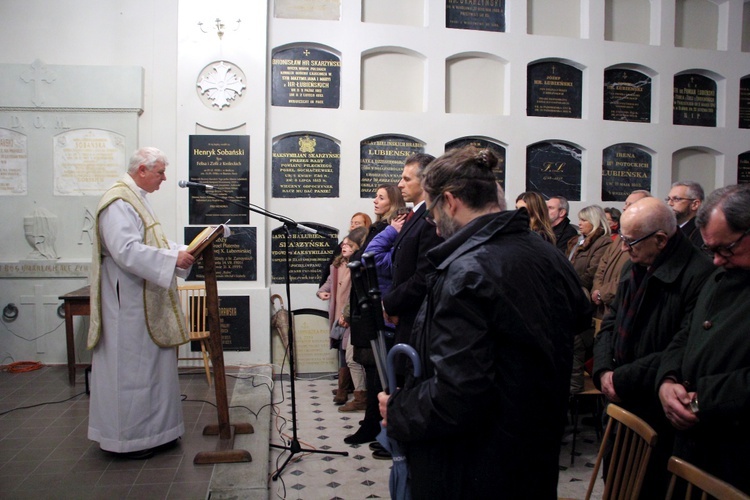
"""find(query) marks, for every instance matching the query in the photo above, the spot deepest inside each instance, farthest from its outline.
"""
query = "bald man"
(657, 292)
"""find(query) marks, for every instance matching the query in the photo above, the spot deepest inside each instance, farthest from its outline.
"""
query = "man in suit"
(685, 198)
(410, 268)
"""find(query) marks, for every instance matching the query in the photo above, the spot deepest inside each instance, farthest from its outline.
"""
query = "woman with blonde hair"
(585, 253)
(538, 214)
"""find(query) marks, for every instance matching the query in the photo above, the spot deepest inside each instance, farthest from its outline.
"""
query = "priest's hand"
(184, 259)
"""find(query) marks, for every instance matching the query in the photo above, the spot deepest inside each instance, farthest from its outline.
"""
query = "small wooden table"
(76, 304)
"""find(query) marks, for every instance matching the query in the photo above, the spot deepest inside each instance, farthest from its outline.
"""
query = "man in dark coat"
(685, 198)
(657, 292)
(704, 377)
(495, 340)
(558, 209)
(410, 267)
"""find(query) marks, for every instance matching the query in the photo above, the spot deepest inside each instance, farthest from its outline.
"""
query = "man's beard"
(446, 226)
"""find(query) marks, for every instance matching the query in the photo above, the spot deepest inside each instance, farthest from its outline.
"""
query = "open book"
(206, 237)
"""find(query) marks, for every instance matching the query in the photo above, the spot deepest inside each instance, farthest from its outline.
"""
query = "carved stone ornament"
(220, 84)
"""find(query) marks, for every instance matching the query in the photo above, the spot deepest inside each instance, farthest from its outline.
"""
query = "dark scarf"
(631, 302)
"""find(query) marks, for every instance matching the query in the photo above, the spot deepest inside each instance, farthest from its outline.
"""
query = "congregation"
(502, 304)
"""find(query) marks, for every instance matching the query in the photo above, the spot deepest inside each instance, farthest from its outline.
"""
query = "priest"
(136, 320)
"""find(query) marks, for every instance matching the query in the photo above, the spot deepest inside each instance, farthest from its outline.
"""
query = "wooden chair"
(632, 444)
(703, 482)
(193, 301)
(595, 397)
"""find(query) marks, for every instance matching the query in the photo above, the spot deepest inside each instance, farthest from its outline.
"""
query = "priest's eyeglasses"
(631, 243)
(725, 251)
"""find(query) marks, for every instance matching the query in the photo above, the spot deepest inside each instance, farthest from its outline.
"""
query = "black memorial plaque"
(745, 102)
(308, 253)
(305, 77)
(743, 168)
(694, 100)
(625, 168)
(234, 322)
(482, 15)
(381, 161)
(235, 256)
(627, 96)
(554, 169)
(483, 144)
(553, 89)
(305, 166)
(221, 161)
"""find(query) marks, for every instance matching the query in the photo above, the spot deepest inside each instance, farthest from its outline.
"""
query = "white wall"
(162, 37)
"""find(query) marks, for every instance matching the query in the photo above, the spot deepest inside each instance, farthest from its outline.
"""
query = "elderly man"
(685, 198)
(494, 335)
(608, 272)
(703, 377)
(658, 291)
(135, 317)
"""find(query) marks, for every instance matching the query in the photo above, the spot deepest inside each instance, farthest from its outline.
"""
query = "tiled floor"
(44, 451)
(321, 426)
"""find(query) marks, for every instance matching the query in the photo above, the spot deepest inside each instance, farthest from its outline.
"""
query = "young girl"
(336, 290)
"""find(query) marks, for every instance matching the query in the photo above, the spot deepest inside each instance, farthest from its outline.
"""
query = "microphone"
(188, 184)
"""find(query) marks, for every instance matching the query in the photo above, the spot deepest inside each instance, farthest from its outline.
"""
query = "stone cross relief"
(38, 73)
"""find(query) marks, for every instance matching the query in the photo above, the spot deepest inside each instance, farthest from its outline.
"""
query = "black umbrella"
(398, 483)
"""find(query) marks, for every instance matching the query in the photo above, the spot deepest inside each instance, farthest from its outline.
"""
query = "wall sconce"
(219, 27)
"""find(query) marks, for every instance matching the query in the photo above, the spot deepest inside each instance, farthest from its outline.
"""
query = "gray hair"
(694, 190)
(595, 215)
(734, 201)
(149, 157)
(563, 203)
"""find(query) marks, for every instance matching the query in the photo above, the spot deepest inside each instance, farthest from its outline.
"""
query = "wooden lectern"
(225, 452)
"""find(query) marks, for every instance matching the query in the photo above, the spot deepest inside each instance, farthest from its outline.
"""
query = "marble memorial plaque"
(14, 163)
(625, 168)
(88, 161)
(221, 161)
(745, 102)
(553, 89)
(235, 257)
(484, 15)
(308, 253)
(234, 322)
(381, 161)
(305, 166)
(694, 100)
(743, 168)
(305, 77)
(554, 169)
(328, 10)
(484, 144)
(627, 96)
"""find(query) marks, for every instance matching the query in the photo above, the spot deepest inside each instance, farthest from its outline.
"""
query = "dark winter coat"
(495, 340)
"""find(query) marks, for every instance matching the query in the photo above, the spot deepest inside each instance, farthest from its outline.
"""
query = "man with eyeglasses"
(685, 198)
(494, 335)
(657, 291)
(704, 377)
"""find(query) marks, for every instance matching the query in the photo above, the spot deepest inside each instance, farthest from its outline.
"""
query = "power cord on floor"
(42, 404)
(23, 366)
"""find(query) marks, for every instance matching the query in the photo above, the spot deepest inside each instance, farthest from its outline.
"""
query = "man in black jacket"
(558, 209)
(685, 198)
(656, 294)
(494, 335)
(410, 267)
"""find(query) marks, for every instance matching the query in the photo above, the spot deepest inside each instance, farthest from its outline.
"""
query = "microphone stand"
(294, 446)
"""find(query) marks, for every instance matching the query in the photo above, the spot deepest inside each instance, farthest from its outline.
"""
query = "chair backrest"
(702, 481)
(193, 301)
(631, 446)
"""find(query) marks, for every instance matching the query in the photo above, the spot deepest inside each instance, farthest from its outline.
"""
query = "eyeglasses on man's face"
(429, 217)
(631, 243)
(677, 199)
(725, 251)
